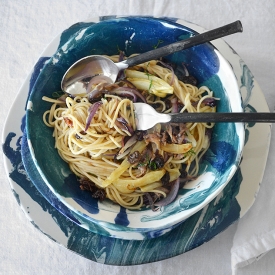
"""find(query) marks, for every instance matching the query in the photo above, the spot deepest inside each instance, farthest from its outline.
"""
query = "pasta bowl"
(215, 168)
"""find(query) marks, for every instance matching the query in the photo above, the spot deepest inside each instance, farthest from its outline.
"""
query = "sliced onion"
(181, 134)
(97, 91)
(130, 142)
(123, 154)
(210, 101)
(126, 125)
(142, 170)
(125, 139)
(92, 110)
(185, 69)
(174, 102)
(153, 138)
(121, 56)
(98, 79)
(172, 194)
(121, 75)
(130, 92)
(208, 133)
(125, 93)
(150, 200)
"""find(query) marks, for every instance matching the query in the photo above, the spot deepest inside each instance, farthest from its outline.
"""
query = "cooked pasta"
(96, 135)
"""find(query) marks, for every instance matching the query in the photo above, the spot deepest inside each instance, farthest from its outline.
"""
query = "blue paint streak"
(37, 69)
(72, 31)
(18, 175)
(91, 207)
(122, 218)
(39, 183)
(221, 156)
(13, 155)
(82, 197)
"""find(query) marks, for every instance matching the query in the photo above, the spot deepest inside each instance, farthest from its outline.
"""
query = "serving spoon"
(147, 117)
(74, 81)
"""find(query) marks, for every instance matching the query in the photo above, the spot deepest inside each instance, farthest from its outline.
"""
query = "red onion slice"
(122, 155)
(92, 110)
(150, 200)
(172, 194)
(98, 79)
(121, 56)
(174, 102)
(130, 92)
(125, 125)
(130, 142)
(210, 101)
(94, 94)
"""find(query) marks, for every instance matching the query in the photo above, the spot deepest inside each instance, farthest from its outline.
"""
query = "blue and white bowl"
(137, 35)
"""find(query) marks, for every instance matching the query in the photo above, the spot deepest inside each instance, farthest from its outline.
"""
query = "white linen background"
(27, 26)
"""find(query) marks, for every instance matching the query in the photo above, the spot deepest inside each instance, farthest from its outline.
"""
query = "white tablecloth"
(27, 26)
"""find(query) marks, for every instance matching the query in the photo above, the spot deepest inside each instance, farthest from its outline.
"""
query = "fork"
(147, 117)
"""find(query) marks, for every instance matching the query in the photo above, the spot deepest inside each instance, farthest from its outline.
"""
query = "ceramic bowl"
(137, 35)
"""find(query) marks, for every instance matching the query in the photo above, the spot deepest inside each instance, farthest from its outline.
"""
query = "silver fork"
(147, 117)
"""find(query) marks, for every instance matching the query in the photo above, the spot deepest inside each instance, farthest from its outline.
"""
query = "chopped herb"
(145, 161)
(148, 63)
(142, 164)
(57, 94)
(147, 72)
(151, 84)
(159, 42)
(152, 166)
(156, 163)
(190, 153)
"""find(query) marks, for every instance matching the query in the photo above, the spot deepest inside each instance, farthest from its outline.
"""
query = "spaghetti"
(96, 135)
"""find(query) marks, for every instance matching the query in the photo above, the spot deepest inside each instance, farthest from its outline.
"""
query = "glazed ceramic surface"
(134, 35)
(231, 204)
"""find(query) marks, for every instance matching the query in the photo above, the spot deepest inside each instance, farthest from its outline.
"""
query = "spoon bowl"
(90, 69)
(96, 67)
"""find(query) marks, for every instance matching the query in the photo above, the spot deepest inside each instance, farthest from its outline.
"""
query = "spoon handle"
(223, 117)
(187, 43)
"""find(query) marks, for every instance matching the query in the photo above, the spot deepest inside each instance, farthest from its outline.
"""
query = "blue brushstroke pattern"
(38, 182)
(220, 156)
(112, 251)
(122, 218)
(19, 175)
(247, 80)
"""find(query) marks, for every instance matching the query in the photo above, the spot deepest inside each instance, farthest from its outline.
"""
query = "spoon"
(147, 117)
(74, 81)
